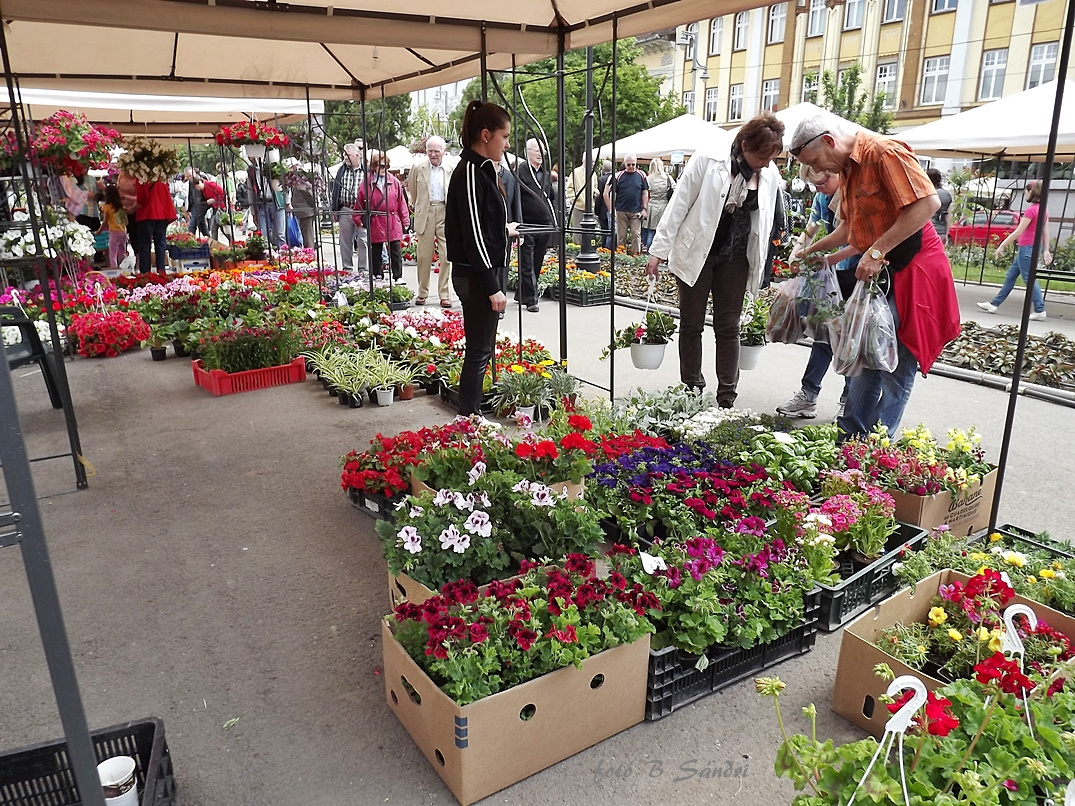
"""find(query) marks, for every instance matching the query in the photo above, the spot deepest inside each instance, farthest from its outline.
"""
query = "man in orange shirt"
(887, 205)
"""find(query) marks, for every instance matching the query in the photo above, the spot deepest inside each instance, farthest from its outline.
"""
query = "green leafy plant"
(797, 456)
(754, 319)
(522, 385)
(243, 348)
(657, 328)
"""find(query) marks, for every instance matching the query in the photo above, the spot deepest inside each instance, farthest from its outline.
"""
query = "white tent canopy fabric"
(329, 49)
(1018, 125)
(164, 116)
(687, 133)
(794, 115)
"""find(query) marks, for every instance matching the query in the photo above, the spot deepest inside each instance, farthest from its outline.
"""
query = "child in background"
(114, 222)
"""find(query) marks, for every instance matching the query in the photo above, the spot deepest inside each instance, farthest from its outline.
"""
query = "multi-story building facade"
(930, 57)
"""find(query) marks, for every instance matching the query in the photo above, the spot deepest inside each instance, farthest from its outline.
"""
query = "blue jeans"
(647, 237)
(1020, 267)
(875, 395)
(816, 367)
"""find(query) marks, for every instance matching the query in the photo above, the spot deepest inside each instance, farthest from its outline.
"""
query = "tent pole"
(316, 246)
(1043, 202)
(484, 64)
(561, 189)
(612, 213)
(365, 184)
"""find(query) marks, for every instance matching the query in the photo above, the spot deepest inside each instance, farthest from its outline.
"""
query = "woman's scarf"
(742, 173)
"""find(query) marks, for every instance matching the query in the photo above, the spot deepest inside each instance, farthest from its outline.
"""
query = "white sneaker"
(1037, 316)
(988, 307)
(799, 406)
(840, 407)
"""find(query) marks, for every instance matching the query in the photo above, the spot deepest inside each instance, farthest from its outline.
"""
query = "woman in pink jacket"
(389, 215)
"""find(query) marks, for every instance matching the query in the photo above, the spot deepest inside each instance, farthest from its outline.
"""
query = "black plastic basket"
(378, 505)
(675, 680)
(865, 585)
(449, 396)
(40, 775)
(1017, 535)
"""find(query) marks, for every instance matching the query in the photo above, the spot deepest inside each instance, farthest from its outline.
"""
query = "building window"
(886, 83)
(944, 5)
(810, 87)
(934, 80)
(711, 111)
(688, 101)
(770, 95)
(1042, 67)
(735, 102)
(692, 34)
(742, 26)
(815, 24)
(991, 86)
(853, 14)
(716, 33)
(778, 16)
(894, 10)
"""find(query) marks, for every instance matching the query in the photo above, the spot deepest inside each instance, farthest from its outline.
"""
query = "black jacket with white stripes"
(475, 223)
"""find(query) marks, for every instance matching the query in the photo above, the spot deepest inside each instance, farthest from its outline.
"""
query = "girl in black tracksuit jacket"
(478, 247)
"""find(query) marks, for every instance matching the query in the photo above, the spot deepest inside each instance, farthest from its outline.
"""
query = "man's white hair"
(436, 140)
(533, 143)
(815, 125)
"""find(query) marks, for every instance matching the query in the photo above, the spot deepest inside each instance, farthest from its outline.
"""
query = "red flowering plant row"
(385, 467)
(680, 489)
(966, 625)
(239, 134)
(971, 741)
(721, 588)
(474, 645)
(107, 334)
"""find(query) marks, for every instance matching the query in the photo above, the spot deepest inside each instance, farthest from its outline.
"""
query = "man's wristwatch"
(876, 254)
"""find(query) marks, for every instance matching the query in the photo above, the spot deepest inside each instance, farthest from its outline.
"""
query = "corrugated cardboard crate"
(964, 514)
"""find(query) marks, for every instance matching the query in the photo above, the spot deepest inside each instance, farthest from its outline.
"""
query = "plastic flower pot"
(526, 410)
(749, 355)
(158, 353)
(647, 356)
(385, 396)
(406, 391)
(254, 151)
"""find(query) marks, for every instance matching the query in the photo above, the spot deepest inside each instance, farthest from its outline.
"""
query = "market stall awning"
(1015, 126)
(687, 133)
(270, 49)
(164, 116)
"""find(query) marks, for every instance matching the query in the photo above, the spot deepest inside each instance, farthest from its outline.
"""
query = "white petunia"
(478, 523)
(416, 512)
(542, 496)
(476, 472)
(462, 544)
(463, 502)
(449, 537)
(522, 487)
(443, 498)
(483, 499)
(412, 541)
(651, 563)
(434, 341)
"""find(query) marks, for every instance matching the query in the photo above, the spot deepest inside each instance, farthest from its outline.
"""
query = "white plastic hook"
(896, 728)
(1012, 644)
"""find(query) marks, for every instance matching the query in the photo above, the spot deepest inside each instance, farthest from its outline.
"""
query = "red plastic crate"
(220, 382)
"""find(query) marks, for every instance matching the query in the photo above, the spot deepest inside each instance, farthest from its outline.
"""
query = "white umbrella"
(687, 133)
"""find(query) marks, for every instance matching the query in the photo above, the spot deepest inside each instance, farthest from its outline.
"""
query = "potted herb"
(159, 333)
(647, 339)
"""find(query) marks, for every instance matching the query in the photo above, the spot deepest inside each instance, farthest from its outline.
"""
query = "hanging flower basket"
(254, 133)
(148, 160)
(67, 143)
(750, 355)
(647, 356)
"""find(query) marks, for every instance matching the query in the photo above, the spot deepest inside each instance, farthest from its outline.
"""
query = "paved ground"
(214, 570)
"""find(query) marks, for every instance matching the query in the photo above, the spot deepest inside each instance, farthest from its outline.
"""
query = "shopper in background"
(155, 212)
(386, 201)
(345, 185)
(427, 186)
(478, 240)
(1023, 236)
(627, 194)
(661, 186)
(714, 236)
(114, 222)
(940, 218)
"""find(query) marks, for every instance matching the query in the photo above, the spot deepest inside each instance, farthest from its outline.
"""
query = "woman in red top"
(155, 212)
(389, 214)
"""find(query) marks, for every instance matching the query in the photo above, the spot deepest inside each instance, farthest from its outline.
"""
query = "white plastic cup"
(119, 780)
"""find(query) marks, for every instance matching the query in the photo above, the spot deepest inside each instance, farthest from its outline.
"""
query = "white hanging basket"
(647, 356)
(749, 355)
(254, 151)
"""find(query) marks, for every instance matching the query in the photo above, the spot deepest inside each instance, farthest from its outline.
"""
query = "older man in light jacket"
(714, 236)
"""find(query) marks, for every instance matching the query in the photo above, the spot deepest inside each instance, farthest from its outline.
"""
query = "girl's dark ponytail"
(481, 115)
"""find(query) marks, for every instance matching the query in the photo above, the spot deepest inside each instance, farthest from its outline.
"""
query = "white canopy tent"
(164, 116)
(794, 115)
(331, 50)
(1016, 126)
(687, 133)
(400, 158)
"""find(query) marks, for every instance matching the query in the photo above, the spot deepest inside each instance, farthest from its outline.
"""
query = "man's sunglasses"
(798, 149)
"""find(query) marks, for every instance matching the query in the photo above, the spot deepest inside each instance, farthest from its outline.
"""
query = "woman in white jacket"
(714, 236)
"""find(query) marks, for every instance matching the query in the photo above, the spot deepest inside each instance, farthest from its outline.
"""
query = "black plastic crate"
(1017, 535)
(450, 397)
(864, 585)
(378, 505)
(40, 775)
(584, 299)
(675, 680)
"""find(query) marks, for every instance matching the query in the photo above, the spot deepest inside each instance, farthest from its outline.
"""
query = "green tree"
(388, 123)
(205, 157)
(639, 104)
(844, 97)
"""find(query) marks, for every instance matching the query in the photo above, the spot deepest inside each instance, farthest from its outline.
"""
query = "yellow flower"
(979, 556)
(982, 570)
(1047, 573)
(955, 634)
(995, 640)
(518, 370)
(921, 649)
(983, 634)
(937, 616)
(1032, 579)
(1057, 565)
(1014, 558)
(993, 538)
